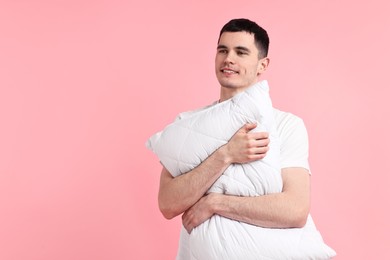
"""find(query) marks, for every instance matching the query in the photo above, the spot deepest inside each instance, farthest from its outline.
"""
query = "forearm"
(178, 194)
(271, 211)
(287, 209)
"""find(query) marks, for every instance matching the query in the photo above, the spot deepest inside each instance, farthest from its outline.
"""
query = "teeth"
(228, 71)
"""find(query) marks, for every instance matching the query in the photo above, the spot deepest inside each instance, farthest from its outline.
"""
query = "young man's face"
(237, 64)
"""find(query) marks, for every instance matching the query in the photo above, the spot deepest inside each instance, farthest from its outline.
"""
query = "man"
(240, 59)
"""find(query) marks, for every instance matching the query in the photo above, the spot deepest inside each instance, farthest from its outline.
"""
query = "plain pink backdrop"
(83, 84)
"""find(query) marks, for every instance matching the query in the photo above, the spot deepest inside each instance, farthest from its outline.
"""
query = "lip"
(228, 71)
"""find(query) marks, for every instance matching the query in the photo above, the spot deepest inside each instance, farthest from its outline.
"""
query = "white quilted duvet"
(185, 143)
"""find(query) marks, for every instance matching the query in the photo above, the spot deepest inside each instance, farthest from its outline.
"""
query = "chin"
(230, 85)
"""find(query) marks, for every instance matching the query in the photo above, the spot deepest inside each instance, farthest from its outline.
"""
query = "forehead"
(235, 39)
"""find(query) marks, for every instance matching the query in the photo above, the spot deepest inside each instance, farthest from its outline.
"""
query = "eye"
(240, 53)
(223, 51)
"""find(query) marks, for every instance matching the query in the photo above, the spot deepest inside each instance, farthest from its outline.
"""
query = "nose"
(229, 58)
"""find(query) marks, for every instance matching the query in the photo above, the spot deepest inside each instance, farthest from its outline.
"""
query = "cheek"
(251, 70)
(216, 67)
(216, 62)
(256, 68)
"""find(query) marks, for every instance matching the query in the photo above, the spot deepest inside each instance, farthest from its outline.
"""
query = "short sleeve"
(294, 143)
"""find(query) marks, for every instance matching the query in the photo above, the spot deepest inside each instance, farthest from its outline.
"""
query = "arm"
(287, 209)
(176, 195)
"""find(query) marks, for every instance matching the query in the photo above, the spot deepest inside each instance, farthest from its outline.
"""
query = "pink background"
(83, 84)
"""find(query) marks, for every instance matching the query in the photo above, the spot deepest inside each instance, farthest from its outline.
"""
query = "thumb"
(248, 127)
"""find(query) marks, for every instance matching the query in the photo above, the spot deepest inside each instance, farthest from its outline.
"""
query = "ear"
(263, 65)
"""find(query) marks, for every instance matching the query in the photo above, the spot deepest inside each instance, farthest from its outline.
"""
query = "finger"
(255, 157)
(187, 225)
(260, 150)
(262, 143)
(258, 135)
(189, 230)
(248, 127)
(258, 143)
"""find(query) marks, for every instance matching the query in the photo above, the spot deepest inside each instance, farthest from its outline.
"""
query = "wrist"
(223, 155)
(214, 201)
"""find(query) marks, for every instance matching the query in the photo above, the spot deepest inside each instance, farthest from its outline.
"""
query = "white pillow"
(185, 143)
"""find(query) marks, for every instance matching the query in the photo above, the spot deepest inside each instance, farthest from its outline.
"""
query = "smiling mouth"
(228, 71)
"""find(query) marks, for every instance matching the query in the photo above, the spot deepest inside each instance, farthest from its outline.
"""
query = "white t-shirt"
(294, 152)
(294, 143)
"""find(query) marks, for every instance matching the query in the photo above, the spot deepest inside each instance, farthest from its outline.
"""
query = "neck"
(227, 93)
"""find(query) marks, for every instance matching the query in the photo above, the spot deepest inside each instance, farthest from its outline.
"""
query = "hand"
(198, 213)
(246, 146)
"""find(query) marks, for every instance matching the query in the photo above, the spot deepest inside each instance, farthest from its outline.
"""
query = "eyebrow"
(242, 48)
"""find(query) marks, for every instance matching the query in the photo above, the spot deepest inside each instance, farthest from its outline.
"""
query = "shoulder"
(285, 120)
(294, 142)
(289, 126)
